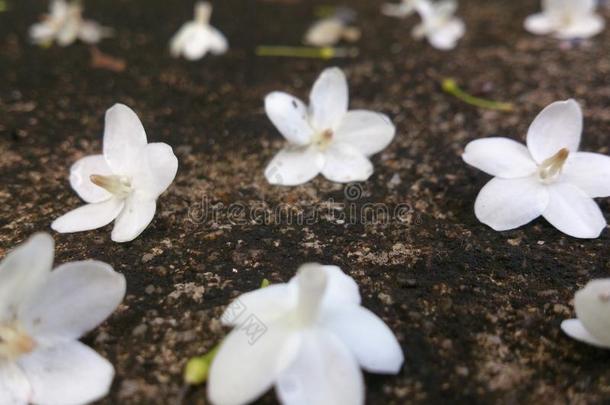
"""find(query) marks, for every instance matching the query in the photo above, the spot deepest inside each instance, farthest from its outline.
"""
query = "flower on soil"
(401, 10)
(439, 25)
(121, 184)
(315, 338)
(566, 19)
(329, 31)
(549, 177)
(196, 38)
(65, 24)
(325, 137)
(42, 315)
(592, 305)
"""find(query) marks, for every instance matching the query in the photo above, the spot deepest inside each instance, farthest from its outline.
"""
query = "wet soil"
(477, 312)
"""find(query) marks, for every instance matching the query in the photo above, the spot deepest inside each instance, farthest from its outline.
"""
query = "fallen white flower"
(549, 177)
(439, 25)
(325, 137)
(316, 337)
(592, 305)
(196, 38)
(400, 10)
(329, 31)
(43, 313)
(65, 25)
(566, 19)
(123, 183)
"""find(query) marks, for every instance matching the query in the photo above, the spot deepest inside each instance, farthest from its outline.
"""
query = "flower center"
(312, 285)
(323, 139)
(120, 186)
(550, 169)
(14, 342)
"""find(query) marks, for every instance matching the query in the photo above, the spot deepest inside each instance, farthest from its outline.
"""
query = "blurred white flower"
(549, 177)
(400, 10)
(566, 19)
(313, 338)
(196, 38)
(65, 25)
(439, 24)
(592, 305)
(123, 183)
(325, 137)
(329, 31)
(43, 313)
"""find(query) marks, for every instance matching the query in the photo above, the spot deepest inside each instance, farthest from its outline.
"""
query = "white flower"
(198, 37)
(549, 177)
(566, 19)
(315, 338)
(65, 24)
(42, 315)
(325, 137)
(121, 184)
(329, 31)
(401, 10)
(439, 25)
(592, 305)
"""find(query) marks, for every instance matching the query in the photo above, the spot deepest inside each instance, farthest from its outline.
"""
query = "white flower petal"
(294, 165)
(501, 157)
(324, 373)
(539, 24)
(14, 386)
(138, 212)
(344, 164)
(197, 43)
(77, 297)
(446, 36)
(571, 7)
(505, 204)
(249, 361)
(91, 32)
(341, 289)
(590, 172)
(576, 330)
(267, 304)
(585, 27)
(68, 33)
(558, 126)
(158, 167)
(399, 10)
(80, 173)
(573, 212)
(68, 374)
(290, 117)
(218, 42)
(592, 305)
(325, 32)
(367, 131)
(367, 336)
(23, 272)
(41, 33)
(124, 139)
(177, 42)
(329, 99)
(88, 217)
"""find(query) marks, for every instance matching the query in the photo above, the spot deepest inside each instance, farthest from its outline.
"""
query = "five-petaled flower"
(592, 305)
(65, 24)
(566, 19)
(196, 38)
(439, 24)
(123, 183)
(549, 177)
(43, 313)
(325, 137)
(317, 337)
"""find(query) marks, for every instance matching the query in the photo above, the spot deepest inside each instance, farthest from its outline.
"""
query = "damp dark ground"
(477, 312)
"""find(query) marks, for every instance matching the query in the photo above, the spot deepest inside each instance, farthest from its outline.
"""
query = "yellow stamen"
(551, 168)
(14, 342)
(117, 185)
(323, 139)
